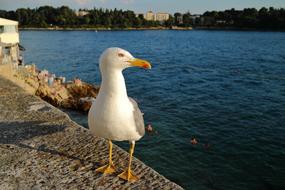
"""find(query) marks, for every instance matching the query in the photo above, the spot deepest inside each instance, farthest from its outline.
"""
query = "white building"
(9, 42)
(161, 17)
(149, 16)
(9, 31)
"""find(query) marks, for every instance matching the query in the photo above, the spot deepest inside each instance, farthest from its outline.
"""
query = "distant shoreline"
(216, 28)
(101, 29)
(213, 28)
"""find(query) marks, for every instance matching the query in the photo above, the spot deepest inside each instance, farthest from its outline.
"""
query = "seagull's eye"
(121, 55)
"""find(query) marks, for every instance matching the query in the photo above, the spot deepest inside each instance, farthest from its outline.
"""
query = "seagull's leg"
(128, 173)
(109, 168)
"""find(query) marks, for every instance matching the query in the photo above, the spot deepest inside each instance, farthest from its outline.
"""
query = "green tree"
(170, 22)
(178, 19)
(187, 20)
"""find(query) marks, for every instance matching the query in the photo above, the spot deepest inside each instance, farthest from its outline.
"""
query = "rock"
(194, 141)
(67, 95)
(86, 106)
(82, 91)
(71, 95)
(149, 128)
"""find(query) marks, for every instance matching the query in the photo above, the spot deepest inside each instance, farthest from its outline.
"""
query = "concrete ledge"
(41, 148)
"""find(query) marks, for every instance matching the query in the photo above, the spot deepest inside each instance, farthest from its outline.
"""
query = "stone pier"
(42, 148)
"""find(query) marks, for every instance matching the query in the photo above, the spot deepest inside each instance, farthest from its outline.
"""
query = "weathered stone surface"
(70, 95)
(41, 148)
(75, 95)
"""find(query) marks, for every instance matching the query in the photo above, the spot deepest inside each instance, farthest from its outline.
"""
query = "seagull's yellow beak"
(140, 63)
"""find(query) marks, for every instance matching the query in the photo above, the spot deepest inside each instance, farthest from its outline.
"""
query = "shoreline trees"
(47, 16)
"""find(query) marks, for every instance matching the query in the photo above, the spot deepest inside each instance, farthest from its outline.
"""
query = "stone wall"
(7, 71)
(41, 148)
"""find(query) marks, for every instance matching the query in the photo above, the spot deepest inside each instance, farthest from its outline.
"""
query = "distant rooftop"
(5, 22)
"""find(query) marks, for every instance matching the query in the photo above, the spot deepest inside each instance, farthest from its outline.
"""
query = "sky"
(141, 6)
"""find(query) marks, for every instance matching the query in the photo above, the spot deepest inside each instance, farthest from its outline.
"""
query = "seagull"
(113, 115)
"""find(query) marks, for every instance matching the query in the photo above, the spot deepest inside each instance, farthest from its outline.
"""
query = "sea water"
(224, 88)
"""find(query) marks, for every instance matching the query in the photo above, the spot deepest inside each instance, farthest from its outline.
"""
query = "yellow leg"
(109, 168)
(128, 174)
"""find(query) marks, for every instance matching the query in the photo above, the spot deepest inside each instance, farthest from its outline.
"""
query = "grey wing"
(138, 117)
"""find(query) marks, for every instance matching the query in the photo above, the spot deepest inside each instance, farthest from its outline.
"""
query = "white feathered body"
(111, 115)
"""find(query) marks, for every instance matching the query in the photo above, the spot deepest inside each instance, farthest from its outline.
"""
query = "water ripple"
(225, 88)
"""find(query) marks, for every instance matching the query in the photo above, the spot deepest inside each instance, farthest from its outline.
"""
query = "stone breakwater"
(41, 148)
(76, 95)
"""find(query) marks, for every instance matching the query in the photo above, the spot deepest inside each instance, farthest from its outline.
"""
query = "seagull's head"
(119, 59)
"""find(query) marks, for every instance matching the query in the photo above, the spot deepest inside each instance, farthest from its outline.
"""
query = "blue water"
(225, 88)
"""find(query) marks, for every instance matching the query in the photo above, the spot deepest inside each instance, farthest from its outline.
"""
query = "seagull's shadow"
(44, 148)
(16, 132)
